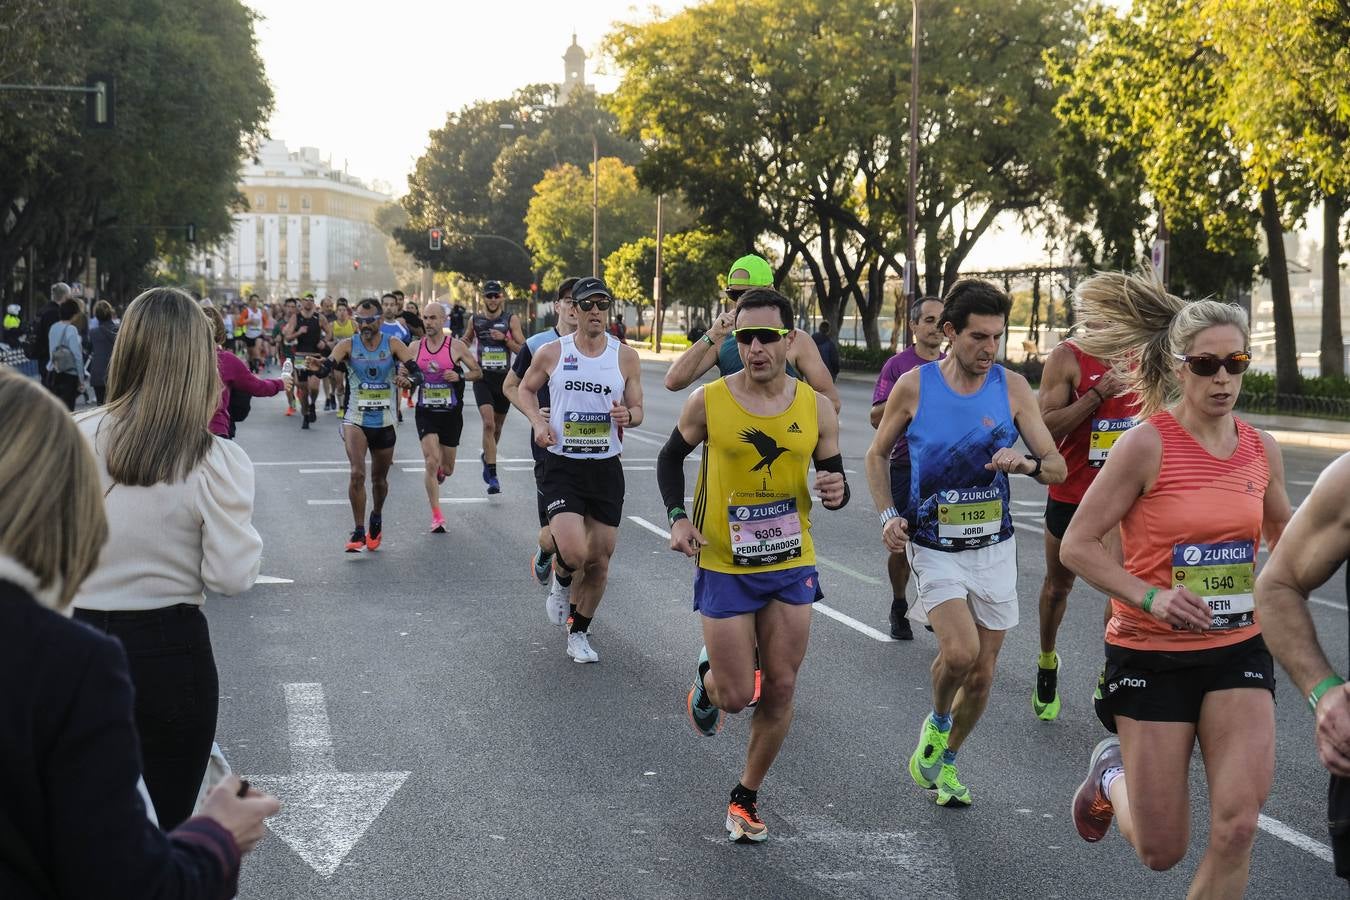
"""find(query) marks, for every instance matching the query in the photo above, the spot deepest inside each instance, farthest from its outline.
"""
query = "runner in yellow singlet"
(751, 533)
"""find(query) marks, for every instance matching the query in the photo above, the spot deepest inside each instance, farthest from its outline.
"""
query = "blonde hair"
(163, 389)
(51, 506)
(218, 332)
(1139, 328)
(103, 311)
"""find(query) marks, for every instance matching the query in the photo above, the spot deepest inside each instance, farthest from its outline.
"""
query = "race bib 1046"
(765, 528)
(1222, 574)
(374, 396)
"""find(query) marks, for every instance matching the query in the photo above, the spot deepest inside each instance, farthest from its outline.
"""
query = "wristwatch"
(704, 337)
(887, 514)
(1037, 470)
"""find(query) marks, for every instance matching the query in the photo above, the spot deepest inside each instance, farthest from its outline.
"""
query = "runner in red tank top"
(1086, 407)
(1193, 491)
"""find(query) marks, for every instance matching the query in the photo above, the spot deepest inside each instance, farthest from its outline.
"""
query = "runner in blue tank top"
(962, 416)
(373, 380)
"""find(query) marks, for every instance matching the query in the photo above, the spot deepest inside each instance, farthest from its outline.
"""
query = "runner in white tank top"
(595, 392)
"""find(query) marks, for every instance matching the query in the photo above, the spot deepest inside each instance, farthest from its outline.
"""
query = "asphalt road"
(431, 738)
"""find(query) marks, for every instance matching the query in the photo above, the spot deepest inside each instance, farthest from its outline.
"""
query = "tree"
(558, 221)
(780, 117)
(1155, 83)
(173, 157)
(693, 263)
(479, 173)
(1288, 103)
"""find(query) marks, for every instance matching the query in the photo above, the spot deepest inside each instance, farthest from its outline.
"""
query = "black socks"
(580, 623)
(742, 794)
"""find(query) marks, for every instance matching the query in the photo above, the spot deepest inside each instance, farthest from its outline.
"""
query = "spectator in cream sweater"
(179, 503)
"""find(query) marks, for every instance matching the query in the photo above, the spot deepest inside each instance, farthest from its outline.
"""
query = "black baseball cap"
(590, 287)
(493, 287)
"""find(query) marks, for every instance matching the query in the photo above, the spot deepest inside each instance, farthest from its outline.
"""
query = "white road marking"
(1330, 604)
(324, 812)
(659, 532)
(325, 471)
(344, 501)
(272, 579)
(1297, 838)
(853, 623)
(639, 468)
(840, 567)
(820, 607)
(643, 438)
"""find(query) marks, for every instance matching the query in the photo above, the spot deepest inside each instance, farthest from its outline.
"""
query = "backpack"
(63, 361)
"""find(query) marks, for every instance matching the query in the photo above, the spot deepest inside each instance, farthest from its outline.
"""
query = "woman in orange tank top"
(1194, 490)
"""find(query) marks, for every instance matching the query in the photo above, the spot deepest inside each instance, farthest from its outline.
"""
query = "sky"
(365, 83)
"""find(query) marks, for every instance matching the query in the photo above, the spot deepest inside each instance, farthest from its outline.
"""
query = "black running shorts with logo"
(1058, 515)
(376, 438)
(446, 424)
(488, 390)
(900, 478)
(1157, 686)
(538, 491)
(587, 487)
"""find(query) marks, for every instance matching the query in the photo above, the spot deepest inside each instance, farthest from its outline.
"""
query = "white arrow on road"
(324, 812)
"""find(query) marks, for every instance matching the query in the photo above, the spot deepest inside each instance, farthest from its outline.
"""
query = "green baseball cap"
(750, 271)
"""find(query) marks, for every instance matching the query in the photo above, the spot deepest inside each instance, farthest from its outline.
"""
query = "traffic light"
(100, 100)
(356, 265)
(435, 235)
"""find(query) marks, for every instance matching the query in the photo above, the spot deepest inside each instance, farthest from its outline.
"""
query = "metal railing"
(1272, 403)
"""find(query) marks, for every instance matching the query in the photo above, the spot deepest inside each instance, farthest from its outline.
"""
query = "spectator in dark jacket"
(101, 338)
(829, 350)
(72, 821)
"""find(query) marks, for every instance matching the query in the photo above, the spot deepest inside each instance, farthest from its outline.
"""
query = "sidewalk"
(1289, 431)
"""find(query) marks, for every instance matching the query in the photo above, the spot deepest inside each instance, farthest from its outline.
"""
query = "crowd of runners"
(1158, 497)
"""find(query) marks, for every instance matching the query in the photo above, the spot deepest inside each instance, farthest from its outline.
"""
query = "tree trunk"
(1332, 357)
(1287, 380)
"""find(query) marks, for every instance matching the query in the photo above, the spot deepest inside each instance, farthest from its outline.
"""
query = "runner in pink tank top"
(440, 403)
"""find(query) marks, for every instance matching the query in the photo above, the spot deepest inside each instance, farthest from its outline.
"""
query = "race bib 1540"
(1221, 573)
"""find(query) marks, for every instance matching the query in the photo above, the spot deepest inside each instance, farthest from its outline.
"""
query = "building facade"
(308, 227)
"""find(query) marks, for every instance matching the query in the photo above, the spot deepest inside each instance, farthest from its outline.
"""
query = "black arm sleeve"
(414, 373)
(835, 464)
(670, 470)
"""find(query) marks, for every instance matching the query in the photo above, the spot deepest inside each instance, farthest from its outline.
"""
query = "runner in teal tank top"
(962, 417)
(373, 379)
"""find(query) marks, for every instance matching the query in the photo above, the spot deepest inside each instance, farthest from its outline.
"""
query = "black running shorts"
(588, 487)
(539, 491)
(488, 391)
(1156, 686)
(1058, 515)
(376, 438)
(446, 424)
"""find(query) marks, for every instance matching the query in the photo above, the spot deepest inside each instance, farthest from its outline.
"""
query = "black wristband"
(676, 513)
(1037, 470)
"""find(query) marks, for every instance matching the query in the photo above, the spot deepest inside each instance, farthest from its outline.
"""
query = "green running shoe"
(950, 791)
(703, 716)
(926, 763)
(1045, 697)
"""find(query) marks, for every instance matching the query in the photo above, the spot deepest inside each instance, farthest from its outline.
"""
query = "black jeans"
(67, 387)
(173, 673)
(100, 393)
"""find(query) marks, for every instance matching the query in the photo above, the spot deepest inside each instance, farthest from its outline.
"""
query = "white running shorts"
(986, 577)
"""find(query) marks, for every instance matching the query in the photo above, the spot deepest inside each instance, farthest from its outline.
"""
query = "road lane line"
(344, 502)
(1330, 604)
(659, 532)
(1297, 838)
(272, 579)
(643, 438)
(840, 567)
(325, 471)
(830, 611)
(311, 738)
(853, 623)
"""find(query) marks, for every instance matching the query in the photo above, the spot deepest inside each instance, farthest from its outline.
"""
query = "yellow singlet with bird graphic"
(753, 499)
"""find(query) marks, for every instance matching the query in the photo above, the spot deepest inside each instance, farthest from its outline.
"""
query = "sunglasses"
(492, 296)
(1205, 366)
(366, 320)
(766, 335)
(588, 305)
(734, 294)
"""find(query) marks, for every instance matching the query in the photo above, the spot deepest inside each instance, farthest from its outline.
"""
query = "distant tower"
(574, 70)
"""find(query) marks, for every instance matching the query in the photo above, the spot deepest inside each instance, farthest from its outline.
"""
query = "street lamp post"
(911, 281)
(595, 207)
(658, 284)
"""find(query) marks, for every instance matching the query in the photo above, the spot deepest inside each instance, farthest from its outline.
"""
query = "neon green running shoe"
(926, 762)
(950, 791)
(1045, 696)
